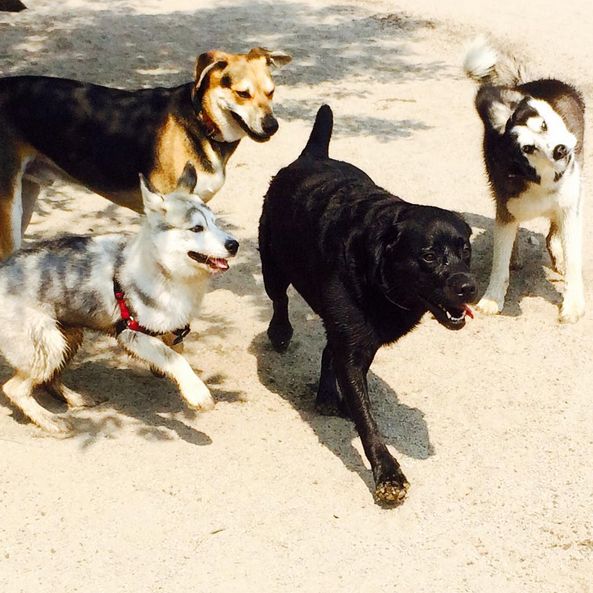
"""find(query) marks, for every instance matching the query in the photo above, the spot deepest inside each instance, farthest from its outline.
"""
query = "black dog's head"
(424, 263)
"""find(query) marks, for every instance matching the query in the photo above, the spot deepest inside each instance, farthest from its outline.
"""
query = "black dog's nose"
(464, 286)
(232, 246)
(560, 151)
(269, 125)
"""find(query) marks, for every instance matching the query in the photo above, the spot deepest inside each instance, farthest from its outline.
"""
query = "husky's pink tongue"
(468, 311)
(218, 263)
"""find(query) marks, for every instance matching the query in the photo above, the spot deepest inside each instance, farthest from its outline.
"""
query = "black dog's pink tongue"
(468, 311)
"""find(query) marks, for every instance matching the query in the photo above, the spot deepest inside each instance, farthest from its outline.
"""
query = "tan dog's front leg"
(153, 351)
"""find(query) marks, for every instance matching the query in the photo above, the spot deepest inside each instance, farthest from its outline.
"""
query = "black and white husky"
(533, 149)
(135, 288)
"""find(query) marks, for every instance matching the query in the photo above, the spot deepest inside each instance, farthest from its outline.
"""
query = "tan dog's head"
(234, 93)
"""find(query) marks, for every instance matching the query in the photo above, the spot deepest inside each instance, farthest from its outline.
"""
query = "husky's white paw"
(489, 306)
(54, 425)
(198, 396)
(573, 308)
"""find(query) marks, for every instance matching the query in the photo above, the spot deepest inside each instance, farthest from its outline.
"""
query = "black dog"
(370, 265)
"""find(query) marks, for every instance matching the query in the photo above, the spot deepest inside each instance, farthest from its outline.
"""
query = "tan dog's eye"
(244, 94)
(270, 94)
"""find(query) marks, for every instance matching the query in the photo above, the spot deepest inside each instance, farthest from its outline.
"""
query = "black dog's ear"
(383, 243)
(392, 238)
(468, 229)
(188, 180)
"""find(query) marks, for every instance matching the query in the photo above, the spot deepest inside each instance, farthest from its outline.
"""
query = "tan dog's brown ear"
(206, 62)
(275, 59)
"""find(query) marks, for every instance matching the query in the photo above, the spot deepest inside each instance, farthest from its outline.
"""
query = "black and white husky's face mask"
(542, 137)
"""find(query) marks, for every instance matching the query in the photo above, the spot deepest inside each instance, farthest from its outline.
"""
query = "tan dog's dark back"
(103, 137)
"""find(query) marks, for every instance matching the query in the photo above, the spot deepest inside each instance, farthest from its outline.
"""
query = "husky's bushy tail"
(317, 146)
(487, 65)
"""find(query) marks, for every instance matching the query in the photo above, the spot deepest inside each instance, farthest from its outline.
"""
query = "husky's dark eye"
(244, 94)
(429, 257)
(544, 126)
(197, 229)
(529, 149)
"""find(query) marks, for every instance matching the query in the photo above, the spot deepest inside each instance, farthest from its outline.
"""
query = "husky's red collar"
(128, 321)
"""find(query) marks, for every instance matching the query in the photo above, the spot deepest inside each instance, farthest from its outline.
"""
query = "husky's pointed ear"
(274, 59)
(499, 114)
(188, 180)
(153, 201)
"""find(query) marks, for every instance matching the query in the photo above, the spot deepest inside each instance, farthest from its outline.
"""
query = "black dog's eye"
(197, 229)
(466, 251)
(429, 257)
(544, 126)
(244, 94)
(529, 149)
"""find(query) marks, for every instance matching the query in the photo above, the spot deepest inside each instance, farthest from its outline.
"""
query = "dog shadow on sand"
(294, 377)
(154, 405)
(530, 280)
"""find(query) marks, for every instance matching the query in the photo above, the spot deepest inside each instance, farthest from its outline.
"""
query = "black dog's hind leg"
(329, 401)
(276, 285)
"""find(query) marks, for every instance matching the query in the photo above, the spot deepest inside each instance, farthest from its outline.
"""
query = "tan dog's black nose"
(269, 125)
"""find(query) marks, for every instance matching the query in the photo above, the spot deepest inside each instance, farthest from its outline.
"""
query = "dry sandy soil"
(492, 425)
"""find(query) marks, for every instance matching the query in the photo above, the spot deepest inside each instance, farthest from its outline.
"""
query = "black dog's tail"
(318, 144)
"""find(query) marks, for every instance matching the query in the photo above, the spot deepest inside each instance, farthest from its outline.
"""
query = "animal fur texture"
(102, 137)
(370, 265)
(533, 150)
(53, 291)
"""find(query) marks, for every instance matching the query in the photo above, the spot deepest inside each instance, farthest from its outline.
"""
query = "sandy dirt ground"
(492, 425)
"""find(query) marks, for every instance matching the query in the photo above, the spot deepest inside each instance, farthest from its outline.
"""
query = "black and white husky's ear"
(153, 201)
(496, 105)
(188, 180)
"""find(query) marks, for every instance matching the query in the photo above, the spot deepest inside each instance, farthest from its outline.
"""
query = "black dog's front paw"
(392, 490)
(280, 336)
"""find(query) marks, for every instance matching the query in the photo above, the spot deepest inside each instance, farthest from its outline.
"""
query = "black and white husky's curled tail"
(317, 146)
(489, 66)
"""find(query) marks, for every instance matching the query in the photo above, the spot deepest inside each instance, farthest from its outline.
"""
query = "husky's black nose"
(269, 125)
(464, 286)
(232, 246)
(560, 151)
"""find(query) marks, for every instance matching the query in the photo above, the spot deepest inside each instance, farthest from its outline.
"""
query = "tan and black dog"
(103, 137)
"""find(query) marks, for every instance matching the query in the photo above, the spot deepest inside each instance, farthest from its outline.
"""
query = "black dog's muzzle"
(462, 287)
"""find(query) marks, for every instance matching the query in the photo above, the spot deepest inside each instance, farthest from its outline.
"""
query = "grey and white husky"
(133, 287)
(533, 150)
